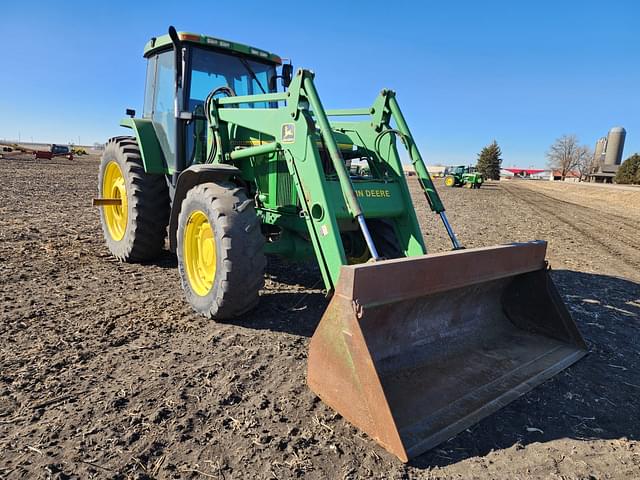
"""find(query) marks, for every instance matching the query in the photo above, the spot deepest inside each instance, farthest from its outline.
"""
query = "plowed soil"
(105, 372)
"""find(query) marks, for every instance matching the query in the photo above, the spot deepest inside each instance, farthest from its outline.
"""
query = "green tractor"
(461, 176)
(412, 348)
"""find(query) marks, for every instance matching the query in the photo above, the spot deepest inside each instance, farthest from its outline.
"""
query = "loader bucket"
(415, 350)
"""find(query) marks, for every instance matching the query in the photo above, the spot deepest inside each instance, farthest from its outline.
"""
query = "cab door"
(159, 103)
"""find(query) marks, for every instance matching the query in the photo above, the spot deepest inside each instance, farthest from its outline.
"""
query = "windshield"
(211, 69)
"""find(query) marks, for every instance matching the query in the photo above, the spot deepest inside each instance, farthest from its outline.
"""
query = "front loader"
(413, 348)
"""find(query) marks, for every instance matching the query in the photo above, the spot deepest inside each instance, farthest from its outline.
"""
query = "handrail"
(255, 151)
(265, 97)
(348, 112)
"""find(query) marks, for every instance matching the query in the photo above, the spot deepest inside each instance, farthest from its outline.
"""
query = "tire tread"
(148, 197)
(240, 275)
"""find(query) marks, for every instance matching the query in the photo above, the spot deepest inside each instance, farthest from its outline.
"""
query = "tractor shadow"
(292, 301)
(166, 259)
(594, 399)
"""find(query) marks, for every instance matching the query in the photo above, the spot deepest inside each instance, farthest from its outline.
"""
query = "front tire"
(136, 229)
(220, 250)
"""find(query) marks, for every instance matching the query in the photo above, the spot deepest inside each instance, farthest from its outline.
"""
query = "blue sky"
(465, 72)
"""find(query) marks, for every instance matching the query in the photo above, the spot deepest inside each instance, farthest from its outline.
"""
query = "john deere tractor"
(462, 176)
(235, 158)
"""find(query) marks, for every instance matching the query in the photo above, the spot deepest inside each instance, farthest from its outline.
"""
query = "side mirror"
(131, 112)
(287, 74)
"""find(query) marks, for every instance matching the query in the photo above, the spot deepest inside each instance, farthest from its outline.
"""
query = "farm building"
(570, 176)
(434, 170)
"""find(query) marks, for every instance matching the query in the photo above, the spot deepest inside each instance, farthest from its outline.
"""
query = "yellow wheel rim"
(113, 186)
(449, 182)
(199, 253)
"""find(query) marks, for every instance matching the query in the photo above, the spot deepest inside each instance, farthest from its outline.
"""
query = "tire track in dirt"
(627, 222)
(621, 248)
(583, 216)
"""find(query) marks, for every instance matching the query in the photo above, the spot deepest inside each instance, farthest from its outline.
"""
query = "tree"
(489, 161)
(566, 155)
(587, 162)
(629, 171)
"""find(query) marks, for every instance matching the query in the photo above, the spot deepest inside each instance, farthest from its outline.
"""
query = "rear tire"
(136, 230)
(220, 250)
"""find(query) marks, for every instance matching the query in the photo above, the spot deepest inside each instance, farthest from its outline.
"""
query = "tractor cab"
(459, 170)
(183, 70)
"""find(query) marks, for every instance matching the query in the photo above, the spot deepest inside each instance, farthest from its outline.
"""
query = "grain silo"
(608, 156)
(615, 145)
(601, 146)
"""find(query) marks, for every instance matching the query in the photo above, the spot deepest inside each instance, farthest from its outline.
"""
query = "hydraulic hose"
(207, 106)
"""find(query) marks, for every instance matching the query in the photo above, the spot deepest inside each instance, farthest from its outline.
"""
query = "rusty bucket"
(413, 351)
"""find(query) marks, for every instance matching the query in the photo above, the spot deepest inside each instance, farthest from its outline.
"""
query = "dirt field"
(106, 373)
(607, 198)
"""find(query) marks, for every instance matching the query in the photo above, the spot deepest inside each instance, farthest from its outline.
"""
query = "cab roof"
(159, 43)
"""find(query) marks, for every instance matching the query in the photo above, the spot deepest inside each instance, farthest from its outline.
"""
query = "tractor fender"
(149, 144)
(189, 178)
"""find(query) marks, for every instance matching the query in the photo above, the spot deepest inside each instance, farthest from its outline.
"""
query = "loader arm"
(295, 133)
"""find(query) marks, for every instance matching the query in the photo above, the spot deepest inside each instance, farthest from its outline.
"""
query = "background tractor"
(412, 348)
(461, 176)
(78, 151)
